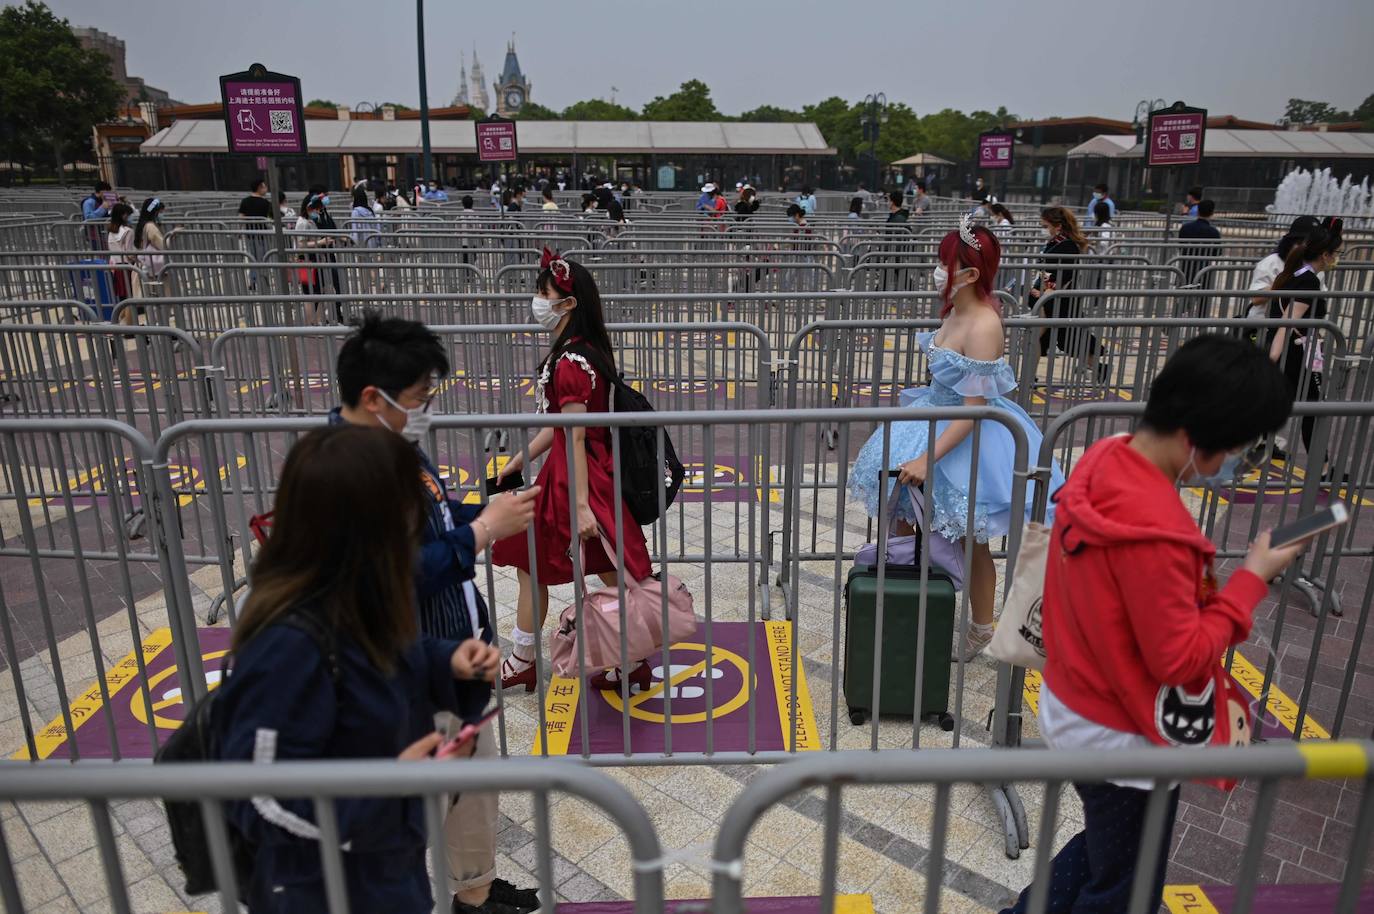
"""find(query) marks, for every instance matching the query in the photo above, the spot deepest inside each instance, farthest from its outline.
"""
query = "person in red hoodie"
(1134, 622)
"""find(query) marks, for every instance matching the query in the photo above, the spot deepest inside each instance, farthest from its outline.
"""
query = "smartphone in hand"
(510, 483)
(1305, 528)
(466, 734)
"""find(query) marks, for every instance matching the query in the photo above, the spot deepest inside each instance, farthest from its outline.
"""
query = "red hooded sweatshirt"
(1134, 624)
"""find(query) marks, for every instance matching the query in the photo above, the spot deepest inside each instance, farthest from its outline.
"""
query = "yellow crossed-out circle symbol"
(139, 707)
(720, 655)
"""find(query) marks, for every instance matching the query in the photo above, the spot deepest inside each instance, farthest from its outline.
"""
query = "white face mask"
(940, 276)
(544, 314)
(418, 420)
(1097, 196)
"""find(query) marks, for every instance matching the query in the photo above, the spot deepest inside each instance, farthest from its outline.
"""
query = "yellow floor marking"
(47, 740)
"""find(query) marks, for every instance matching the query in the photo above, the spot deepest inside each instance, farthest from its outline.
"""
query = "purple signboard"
(1175, 137)
(263, 112)
(496, 141)
(994, 150)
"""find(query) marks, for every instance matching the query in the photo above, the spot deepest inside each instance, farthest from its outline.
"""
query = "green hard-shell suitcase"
(901, 613)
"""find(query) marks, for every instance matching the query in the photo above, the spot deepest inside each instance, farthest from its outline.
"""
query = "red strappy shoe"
(641, 677)
(512, 677)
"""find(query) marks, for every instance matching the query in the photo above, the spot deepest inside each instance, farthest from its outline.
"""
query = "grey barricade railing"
(432, 783)
(791, 276)
(72, 488)
(844, 364)
(46, 311)
(1278, 492)
(686, 541)
(1270, 766)
(267, 371)
(332, 273)
(95, 281)
(147, 377)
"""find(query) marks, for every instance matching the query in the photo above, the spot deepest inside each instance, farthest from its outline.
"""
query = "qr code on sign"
(1187, 141)
(281, 122)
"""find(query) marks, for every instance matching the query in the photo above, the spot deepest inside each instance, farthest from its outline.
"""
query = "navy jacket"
(448, 563)
(281, 701)
(1199, 229)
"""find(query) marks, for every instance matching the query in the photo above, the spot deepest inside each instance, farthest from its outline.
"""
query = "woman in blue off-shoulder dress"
(967, 368)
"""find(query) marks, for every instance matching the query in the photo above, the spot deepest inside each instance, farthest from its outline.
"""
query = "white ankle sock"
(524, 644)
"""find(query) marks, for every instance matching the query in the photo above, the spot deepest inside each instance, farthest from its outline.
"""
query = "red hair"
(956, 255)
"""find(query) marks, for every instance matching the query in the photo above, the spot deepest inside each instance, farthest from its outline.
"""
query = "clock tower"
(512, 89)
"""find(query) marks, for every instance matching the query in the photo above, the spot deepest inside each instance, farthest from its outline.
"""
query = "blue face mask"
(324, 201)
(1236, 463)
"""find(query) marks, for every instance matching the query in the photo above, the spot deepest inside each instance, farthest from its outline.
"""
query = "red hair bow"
(558, 268)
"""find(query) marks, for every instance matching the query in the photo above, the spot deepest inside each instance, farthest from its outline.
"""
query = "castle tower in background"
(512, 89)
(480, 99)
(461, 99)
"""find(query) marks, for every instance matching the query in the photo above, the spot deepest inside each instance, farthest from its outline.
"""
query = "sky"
(1039, 58)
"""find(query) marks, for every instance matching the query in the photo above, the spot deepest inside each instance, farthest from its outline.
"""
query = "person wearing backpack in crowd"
(327, 662)
(1135, 621)
(574, 378)
(387, 371)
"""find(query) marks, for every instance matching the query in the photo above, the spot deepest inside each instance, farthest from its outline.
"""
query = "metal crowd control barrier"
(329, 273)
(847, 364)
(210, 784)
(1280, 491)
(267, 371)
(715, 521)
(717, 276)
(1271, 766)
(92, 281)
(71, 487)
(147, 377)
(46, 311)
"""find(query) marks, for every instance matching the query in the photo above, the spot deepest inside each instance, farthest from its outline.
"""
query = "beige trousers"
(470, 827)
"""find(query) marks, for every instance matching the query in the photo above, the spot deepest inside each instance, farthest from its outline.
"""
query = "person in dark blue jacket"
(343, 545)
(387, 372)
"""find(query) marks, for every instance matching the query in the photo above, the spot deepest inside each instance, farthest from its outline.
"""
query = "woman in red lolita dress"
(569, 381)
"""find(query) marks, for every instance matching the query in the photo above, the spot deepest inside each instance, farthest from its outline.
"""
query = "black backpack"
(193, 742)
(644, 473)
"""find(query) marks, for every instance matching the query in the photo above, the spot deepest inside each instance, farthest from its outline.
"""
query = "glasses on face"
(424, 401)
(1251, 456)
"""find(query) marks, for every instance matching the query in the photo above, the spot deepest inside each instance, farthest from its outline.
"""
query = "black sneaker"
(505, 893)
(490, 906)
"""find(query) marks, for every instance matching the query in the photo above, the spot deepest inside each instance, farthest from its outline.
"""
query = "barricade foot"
(1013, 816)
(217, 604)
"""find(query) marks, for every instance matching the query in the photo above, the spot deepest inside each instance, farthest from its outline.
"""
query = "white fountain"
(1318, 193)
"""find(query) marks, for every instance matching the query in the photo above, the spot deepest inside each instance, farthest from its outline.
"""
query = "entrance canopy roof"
(534, 137)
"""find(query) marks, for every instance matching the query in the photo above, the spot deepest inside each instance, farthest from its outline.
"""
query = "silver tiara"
(966, 232)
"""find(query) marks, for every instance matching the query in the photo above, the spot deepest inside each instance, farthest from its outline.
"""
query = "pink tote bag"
(601, 623)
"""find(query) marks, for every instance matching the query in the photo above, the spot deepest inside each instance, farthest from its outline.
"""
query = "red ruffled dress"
(573, 380)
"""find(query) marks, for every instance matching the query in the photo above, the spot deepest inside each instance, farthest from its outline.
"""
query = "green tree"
(321, 103)
(691, 102)
(772, 114)
(1365, 113)
(595, 109)
(397, 105)
(534, 112)
(1302, 111)
(838, 122)
(52, 90)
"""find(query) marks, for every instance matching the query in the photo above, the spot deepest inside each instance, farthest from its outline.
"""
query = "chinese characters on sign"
(496, 141)
(263, 113)
(1175, 136)
(995, 150)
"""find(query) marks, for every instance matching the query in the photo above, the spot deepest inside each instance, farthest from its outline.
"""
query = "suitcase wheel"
(858, 717)
(946, 721)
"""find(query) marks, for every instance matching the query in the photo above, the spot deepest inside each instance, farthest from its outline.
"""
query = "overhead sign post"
(264, 116)
(496, 140)
(1175, 136)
